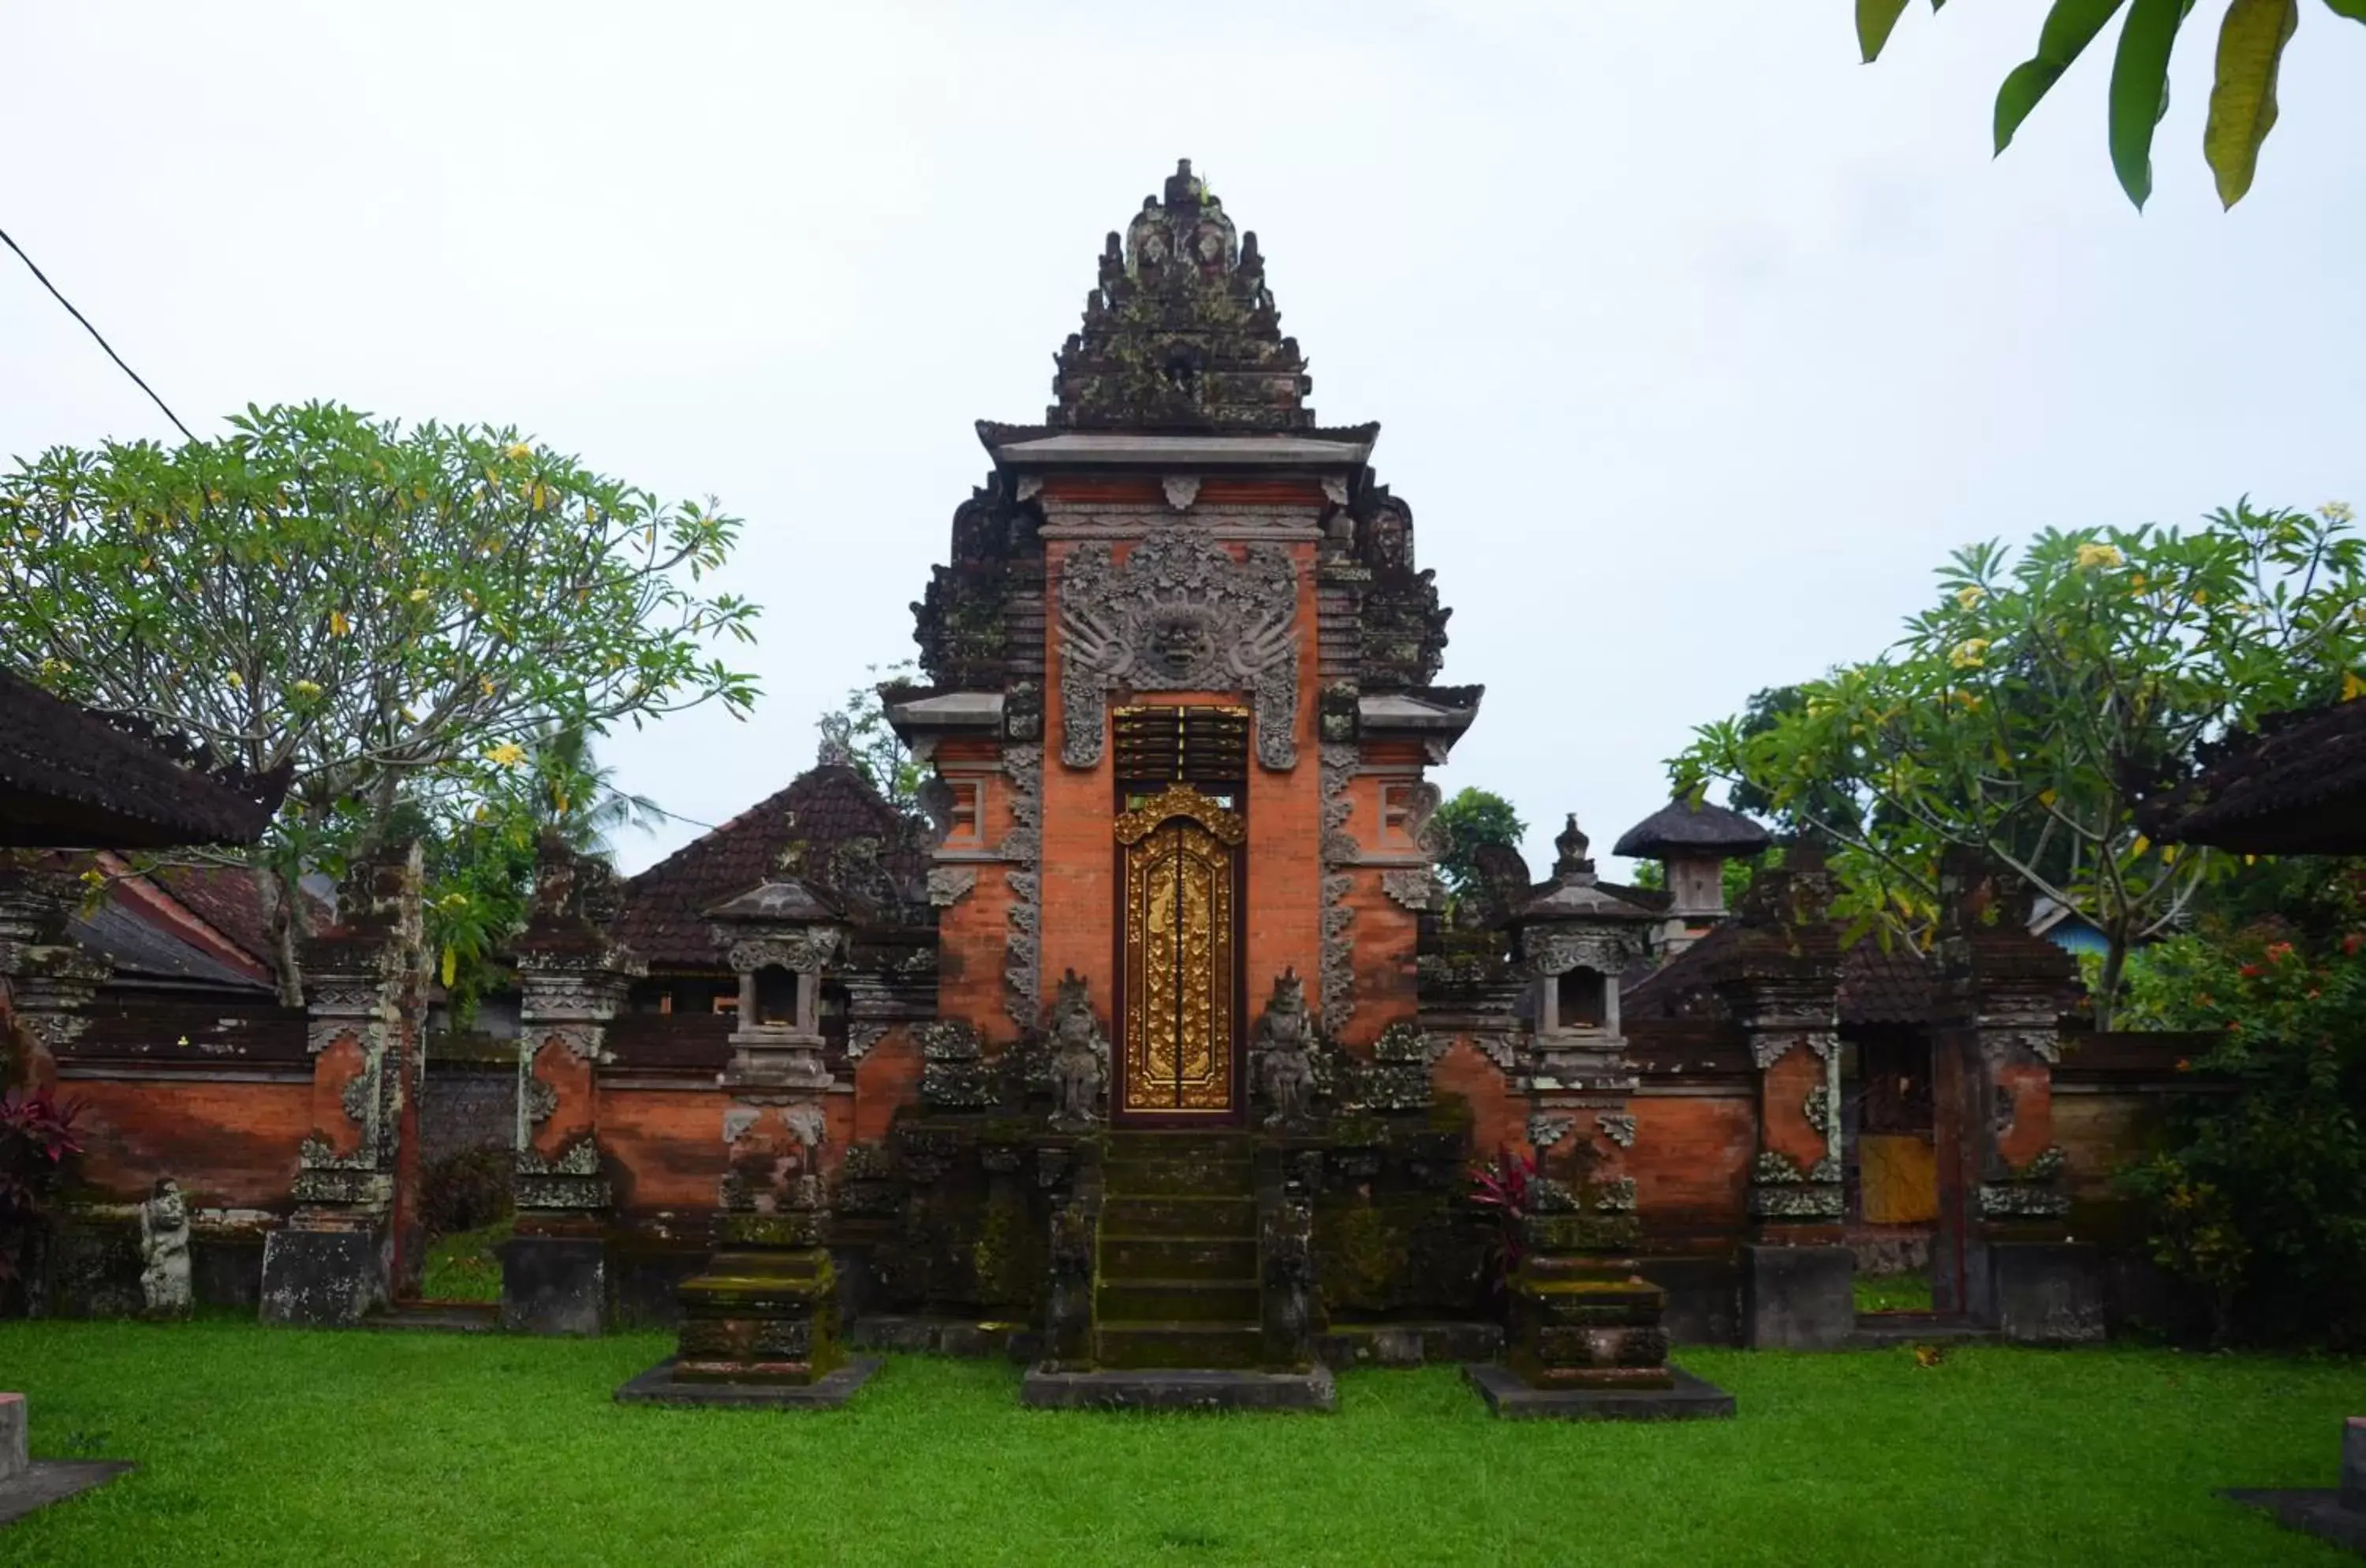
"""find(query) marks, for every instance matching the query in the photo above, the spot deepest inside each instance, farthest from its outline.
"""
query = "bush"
(467, 1191)
(2257, 1197)
(36, 1136)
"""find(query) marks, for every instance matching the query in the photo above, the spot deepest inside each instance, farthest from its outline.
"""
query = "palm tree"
(569, 793)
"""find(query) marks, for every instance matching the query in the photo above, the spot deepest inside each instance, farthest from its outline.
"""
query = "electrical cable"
(102, 342)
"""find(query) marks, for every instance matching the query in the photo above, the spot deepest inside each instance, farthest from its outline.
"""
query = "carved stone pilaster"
(356, 1174)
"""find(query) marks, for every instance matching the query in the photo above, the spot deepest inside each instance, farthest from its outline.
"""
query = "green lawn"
(463, 1266)
(273, 1446)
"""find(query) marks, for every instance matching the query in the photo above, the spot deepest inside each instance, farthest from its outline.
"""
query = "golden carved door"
(1179, 931)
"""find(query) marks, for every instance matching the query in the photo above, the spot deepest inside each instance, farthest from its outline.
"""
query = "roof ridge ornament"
(1180, 332)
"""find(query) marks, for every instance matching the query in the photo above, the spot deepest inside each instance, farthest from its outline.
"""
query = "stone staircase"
(1177, 1282)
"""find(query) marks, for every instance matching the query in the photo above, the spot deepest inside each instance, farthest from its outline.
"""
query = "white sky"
(1696, 344)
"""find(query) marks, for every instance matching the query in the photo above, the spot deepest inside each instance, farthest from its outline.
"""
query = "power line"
(102, 342)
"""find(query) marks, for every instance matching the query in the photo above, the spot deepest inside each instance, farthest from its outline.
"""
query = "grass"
(260, 1447)
(462, 1266)
(1874, 1292)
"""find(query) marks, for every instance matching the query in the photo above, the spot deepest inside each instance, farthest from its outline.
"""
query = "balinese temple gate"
(1149, 1048)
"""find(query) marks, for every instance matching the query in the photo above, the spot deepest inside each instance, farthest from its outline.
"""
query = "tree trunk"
(2107, 991)
(284, 903)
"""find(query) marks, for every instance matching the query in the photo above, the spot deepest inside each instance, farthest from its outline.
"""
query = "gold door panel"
(1179, 937)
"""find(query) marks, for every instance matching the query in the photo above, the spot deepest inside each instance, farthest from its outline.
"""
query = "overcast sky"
(1696, 344)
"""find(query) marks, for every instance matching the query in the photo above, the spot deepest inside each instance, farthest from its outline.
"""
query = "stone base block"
(1179, 1389)
(761, 1315)
(2317, 1512)
(1797, 1298)
(26, 1484)
(659, 1386)
(1512, 1398)
(323, 1279)
(2047, 1293)
(553, 1284)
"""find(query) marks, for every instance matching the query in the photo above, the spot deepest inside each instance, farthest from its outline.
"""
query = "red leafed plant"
(1504, 1184)
(37, 1133)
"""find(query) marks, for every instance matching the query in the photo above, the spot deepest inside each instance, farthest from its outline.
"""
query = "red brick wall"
(228, 1143)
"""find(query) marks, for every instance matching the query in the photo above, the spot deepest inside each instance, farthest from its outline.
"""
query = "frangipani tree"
(2026, 712)
(2252, 37)
(392, 615)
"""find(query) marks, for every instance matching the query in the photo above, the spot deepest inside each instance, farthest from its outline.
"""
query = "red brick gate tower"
(1180, 708)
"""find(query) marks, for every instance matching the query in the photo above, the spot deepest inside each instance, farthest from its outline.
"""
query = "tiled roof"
(142, 951)
(226, 898)
(1875, 987)
(823, 812)
(1878, 986)
(71, 776)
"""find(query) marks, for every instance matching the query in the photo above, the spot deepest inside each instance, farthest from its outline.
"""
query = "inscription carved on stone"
(1179, 614)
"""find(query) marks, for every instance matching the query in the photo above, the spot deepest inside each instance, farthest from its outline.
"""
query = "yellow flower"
(508, 754)
(305, 688)
(419, 596)
(1967, 654)
(519, 453)
(2337, 511)
(2093, 556)
(1967, 597)
(338, 624)
(2353, 686)
(235, 678)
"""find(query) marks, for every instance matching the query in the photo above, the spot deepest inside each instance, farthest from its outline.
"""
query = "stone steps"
(1176, 1285)
(1173, 1345)
(1876, 1329)
(1173, 1216)
(1230, 1302)
(437, 1318)
(1178, 1256)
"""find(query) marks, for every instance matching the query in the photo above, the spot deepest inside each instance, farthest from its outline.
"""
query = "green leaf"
(2353, 9)
(1874, 20)
(2140, 90)
(2069, 27)
(2243, 100)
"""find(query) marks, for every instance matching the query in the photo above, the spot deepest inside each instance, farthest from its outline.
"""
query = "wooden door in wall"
(1179, 935)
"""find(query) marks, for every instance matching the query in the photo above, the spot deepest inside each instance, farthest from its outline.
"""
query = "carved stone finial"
(1571, 843)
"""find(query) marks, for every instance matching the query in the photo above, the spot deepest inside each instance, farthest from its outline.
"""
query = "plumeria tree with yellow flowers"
(2030, 708)
(392, 615)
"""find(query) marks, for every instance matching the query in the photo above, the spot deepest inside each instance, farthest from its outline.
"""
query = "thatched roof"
(1689, 826)
(72, 777)
(2296, 786)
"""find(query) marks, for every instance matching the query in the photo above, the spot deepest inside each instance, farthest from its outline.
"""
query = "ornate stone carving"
(1413, 889)
(1616, 1196)
(1548, 1128)
(1818, 1109)
(1180, 614)
(1338, 953)
(1080, 1057)
(1021, 971)
(936, 802)
(1619, 1126)
(949, 884)
(861, 1037)
(1768, 1046)
(165, 1251)
(953, 1076)
(1181, 489)
(1339, 846)
(1551, 950)
(800, 953)
(537, 1100)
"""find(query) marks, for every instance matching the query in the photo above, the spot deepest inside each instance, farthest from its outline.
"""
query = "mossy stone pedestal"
(1585, 1341)
(765, 1309)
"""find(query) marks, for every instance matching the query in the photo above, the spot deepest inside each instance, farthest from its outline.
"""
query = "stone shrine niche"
(1180, 614)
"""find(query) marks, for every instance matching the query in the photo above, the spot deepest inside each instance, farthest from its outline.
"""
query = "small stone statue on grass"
(165, 1251)
(1285, 1048)
(1080, 1059)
